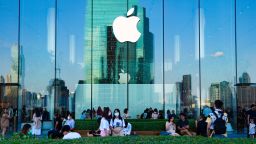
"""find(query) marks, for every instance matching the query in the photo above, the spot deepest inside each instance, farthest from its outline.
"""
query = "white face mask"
(116, 114)
(69, 117)
(109, 113)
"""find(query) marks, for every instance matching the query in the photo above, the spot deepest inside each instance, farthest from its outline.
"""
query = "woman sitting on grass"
(117, 124)
(170, 126)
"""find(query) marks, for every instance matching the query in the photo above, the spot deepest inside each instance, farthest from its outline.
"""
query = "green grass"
(137, 124)
(134, 140)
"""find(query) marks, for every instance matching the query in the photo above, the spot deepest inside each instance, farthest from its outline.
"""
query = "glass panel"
(74, 93)
(181, 57)
(107, 56)
(146, 59)
(37, 57)
(246, 49)
(9, 60)
(218, 54)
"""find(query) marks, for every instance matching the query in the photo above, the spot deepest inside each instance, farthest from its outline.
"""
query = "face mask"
(109, 113)
(30, 132)
(69, 117)
(116, 114)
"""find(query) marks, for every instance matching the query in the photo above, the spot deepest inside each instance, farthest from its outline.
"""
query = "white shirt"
(128, 129)
(72, 135)
(104, 125)
(117, 123)
(252, 128)
(71, 123)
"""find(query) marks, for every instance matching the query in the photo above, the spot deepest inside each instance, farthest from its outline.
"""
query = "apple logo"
(123, 77)
(125, 29)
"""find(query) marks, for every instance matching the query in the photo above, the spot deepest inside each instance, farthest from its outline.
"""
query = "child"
(252, 128)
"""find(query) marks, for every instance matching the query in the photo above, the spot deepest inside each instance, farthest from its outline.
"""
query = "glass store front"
(62, 56)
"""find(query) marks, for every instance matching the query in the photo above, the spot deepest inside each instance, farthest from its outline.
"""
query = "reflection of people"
(126, 114)
(37, 117)
(5, 121)
(68, 134)
(45, 115)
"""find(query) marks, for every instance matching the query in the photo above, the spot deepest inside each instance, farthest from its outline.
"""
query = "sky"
(180, 40)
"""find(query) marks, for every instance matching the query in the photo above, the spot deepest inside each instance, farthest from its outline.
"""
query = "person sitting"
(70, 121)
(55, 133)
(170, 126)
(183, 125)
(104, 123)
(68, 134)
(127, 129)
(126, 114)
(26, 131)
(117, 124)
(201, 126)
(155, 114)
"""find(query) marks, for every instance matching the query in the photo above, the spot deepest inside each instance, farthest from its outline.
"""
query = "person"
(68, 134)
(218, 120)
(37, 118)
(126, 114)
(55, 133)
(104, 124)
(155, 114)
(251, 114)
(127, 129)
(83, 115)
(117, 124)
(71, 122)
(173, 114)
(45, 115)
(144, 114)
(99, 112)
(170, 126)
(5, 120)
(168, 112)
(183, 125)
(241, 119)
(26, 131)
(201, 126)
(252, 128)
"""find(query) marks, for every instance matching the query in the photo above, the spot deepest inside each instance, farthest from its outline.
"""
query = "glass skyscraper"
(108, 56)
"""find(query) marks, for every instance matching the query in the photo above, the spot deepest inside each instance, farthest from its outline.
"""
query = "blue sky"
(180, 23)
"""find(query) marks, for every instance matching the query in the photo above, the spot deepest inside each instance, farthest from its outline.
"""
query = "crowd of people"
(213, 122)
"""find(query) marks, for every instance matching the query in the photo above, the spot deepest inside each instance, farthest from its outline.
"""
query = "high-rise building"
(186, 96)
(246, 92)
(245, 78)
(221, 91)
(105, 57)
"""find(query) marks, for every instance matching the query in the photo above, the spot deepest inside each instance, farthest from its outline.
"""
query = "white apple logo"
(123, 77)
(125, 29)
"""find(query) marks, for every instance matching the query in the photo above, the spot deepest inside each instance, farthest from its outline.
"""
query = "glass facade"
(64, 57)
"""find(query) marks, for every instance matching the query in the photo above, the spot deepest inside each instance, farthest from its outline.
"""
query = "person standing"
(37, 123)
(5, 120)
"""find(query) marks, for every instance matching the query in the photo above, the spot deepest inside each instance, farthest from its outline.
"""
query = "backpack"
(219, 124)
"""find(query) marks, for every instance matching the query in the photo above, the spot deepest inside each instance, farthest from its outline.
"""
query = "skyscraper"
(186, 96)
(105, 57)
(245, 78)
(221, 91)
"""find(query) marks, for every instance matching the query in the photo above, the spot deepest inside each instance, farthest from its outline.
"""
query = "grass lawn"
(134, 140)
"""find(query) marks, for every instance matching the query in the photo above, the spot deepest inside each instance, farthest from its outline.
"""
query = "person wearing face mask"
(117, 124)
(70, 122)
(26, 131)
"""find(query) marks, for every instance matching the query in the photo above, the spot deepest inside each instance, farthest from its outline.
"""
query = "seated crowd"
(212, 123)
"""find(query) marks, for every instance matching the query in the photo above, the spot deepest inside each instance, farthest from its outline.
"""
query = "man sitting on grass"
(183, 125)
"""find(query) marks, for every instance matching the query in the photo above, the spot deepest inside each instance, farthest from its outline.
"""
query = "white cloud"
(218, 54)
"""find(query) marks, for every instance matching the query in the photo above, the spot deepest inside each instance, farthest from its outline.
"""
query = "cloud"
(218, 54)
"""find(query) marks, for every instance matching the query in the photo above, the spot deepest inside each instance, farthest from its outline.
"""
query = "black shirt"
(59, 125)
(182, 123)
